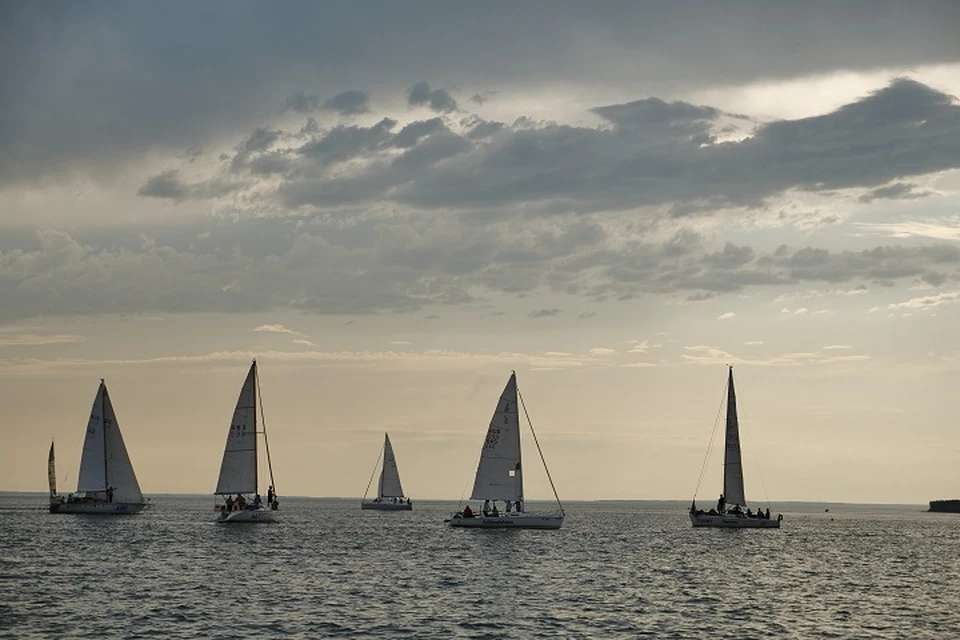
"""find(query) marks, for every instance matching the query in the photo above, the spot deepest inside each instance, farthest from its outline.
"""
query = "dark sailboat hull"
(945, 506)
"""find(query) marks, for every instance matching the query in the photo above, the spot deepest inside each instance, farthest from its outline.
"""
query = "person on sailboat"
(468, 512)
(109, 494)
(256, 501)
(721, 503)
(486, 508)
(518, 508)
(241, 502)
(270, 495)
(229, 505)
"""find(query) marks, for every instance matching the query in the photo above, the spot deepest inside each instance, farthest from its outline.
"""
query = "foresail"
(52, 472)
(499, 473)
(732, 464)
(120, 475)
(238, 470)
(93, 467)
(390, 474)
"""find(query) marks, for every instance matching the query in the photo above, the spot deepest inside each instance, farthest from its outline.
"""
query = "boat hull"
(247, 515)
(98, 507)
(387, 506)
(509, 521)
(729, 521)
(945, 506)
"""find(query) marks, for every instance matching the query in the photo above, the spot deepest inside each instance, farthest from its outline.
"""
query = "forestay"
(105, 464)
(732, 466)
(238, 471)
(499, 474)
(390, 474)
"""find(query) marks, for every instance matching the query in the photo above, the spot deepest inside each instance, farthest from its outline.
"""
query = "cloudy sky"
(393, 205)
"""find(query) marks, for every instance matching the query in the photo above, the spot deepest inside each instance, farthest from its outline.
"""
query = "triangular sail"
(390, 474)
(52, 472)
(732, 465)
(238, 471)
(499, 471)
(93, 460)
(121, 478)
(105, 468)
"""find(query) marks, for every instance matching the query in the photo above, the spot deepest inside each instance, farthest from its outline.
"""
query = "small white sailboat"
(389, 491)
(500, 474)
(238, 470)
(106, 483)
(731, 511)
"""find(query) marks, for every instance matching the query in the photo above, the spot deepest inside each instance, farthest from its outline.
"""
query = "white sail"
(120, 475)
(238, 471)
(105, 464)
(499, 472)
(732, 465)
(52, 472)
(93, 460)
(390, 474)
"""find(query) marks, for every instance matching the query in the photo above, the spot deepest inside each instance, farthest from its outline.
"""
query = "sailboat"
(389, 492)
(731, 511)
(106, 483)
(500, 473)
(238, 470)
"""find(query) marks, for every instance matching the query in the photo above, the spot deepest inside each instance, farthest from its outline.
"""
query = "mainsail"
(238, 471)
(732, 465)
(105, 468)
(52, 472)
(499, 474)
(390, 474)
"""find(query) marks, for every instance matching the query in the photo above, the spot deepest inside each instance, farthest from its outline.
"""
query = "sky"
(391, 206)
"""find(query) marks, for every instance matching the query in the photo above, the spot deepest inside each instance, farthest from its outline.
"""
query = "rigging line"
(372, 474)
(753, 451)
(713, 437)
(540, 451)
(263, 421)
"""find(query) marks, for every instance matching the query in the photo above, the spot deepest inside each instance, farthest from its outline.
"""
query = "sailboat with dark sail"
(106, 483)
(238, 484)
(731, 511)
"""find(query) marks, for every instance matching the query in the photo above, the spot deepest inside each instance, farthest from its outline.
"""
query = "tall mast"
(256, 472)
(263, 421)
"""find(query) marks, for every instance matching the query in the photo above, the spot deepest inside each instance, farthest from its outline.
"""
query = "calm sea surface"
(615, 570)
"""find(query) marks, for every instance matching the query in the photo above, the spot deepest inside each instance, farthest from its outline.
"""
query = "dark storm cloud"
(86, 87)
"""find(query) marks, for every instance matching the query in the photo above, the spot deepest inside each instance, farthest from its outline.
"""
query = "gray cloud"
(322, 266)
(166, 184)
(545, 313)
(352, 102)
(653, 153)
(72, 107)
(421, 94)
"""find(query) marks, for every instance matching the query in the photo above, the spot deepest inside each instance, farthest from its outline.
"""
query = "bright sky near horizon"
(393, 205)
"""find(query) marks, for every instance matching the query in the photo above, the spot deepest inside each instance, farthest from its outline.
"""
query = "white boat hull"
(731, 521)
(387, 506)
(509, 521)
(98, 507)
(247, 515)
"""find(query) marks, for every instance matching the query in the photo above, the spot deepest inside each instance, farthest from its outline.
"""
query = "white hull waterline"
(387, 506)
(729, 521)
(508, 521)
(246, 515)
(97, 508)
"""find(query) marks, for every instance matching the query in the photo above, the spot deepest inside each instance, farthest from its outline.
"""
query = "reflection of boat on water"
(389, 492)
(731, 511)
(500, 475)
(106, 483)
(945, 506)
(238, 470)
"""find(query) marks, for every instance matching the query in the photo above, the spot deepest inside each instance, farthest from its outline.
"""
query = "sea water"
(615, 570)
